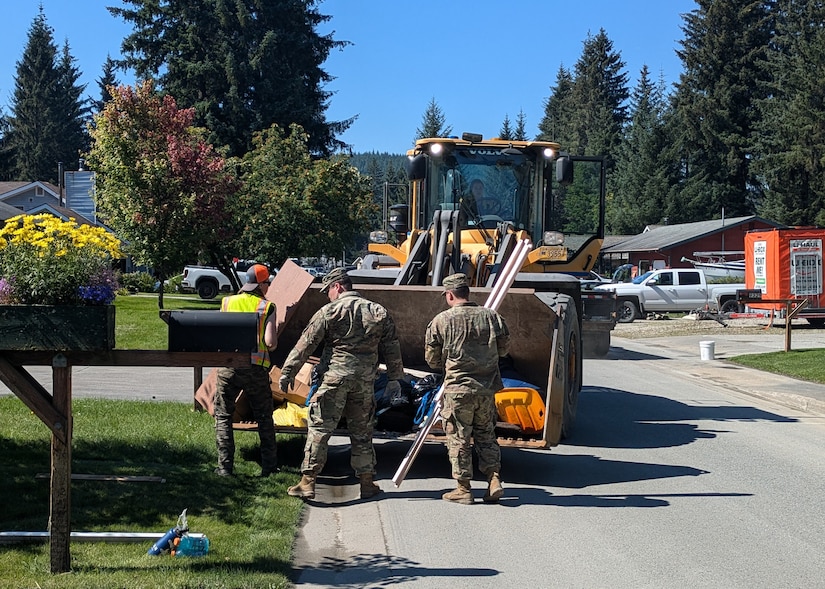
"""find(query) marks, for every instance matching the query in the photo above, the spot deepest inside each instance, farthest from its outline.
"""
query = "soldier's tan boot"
(305, 488)
(494, 489)
(461, 494)
(368, 487)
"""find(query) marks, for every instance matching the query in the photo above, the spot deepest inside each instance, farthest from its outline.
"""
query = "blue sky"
(479, 59)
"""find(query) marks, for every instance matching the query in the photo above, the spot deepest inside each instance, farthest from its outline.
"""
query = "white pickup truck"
(671, 290)
(207, 281)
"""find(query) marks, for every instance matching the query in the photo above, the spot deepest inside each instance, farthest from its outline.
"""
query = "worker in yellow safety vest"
(252, 380)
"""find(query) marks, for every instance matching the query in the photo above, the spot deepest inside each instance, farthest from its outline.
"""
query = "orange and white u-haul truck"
(787, 264)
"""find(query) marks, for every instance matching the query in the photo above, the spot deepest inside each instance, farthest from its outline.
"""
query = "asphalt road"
(677, 476)
(128, 383)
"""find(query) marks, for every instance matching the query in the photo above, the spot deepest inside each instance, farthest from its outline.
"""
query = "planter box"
(57, 328)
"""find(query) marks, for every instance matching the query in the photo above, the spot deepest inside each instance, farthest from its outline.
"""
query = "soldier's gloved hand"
(285, 383)
(393, 388)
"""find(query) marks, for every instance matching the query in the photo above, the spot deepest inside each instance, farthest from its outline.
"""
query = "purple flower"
(7, 291)
(101, 289)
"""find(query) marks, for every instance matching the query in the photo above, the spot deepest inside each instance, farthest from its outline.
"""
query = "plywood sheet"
(286, 291)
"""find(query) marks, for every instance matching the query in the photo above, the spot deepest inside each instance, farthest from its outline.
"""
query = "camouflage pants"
(350, 397)
(467, 417)
(254, 381)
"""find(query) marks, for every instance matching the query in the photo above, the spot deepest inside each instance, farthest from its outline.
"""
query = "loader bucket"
(529, 315)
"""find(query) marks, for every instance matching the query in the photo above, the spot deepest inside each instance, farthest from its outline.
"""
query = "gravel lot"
(687, 325)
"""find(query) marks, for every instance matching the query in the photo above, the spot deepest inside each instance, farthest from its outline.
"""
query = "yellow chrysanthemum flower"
(38, 253)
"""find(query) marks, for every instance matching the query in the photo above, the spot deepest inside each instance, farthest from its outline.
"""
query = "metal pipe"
(512, 269)
(493, 302)
(502, 281)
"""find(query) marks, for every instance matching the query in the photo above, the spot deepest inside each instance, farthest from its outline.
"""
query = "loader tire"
(570, 356)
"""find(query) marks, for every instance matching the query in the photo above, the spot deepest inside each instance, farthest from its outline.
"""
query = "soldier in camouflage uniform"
(253, 380)
(354, 331)
(466, 341)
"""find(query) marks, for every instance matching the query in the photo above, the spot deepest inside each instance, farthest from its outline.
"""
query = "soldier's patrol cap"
(334, 275)
(454, 281)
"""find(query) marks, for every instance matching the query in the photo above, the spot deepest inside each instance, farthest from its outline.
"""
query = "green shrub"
(173, 284)
(138, 282)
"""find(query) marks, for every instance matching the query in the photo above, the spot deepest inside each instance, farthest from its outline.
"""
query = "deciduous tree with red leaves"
(160, 186)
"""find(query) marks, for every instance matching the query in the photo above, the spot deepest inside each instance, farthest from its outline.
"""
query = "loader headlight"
(436, 149)
(552, 238)
(379, 237)
(549, 153)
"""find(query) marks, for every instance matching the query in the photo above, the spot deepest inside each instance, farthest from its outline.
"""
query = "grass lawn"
(802, 364)
(250, 521)
(138, 325)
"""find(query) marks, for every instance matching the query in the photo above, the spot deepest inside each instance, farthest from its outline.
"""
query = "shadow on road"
(580, 471)
(617, 353)
(517, 497)
(379, 570)
(519, 467)
(607, 418)
(524, 471)
(613, 418)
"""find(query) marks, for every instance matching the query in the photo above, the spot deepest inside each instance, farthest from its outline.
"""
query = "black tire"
(570, 360)
(207, 289)
(628, 311)
(731, 306)
(573, 380)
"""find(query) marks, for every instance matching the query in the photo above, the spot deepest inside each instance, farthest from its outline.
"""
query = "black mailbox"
(748, 294)
(211, 331)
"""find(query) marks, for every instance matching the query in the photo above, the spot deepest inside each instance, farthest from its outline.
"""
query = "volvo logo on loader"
(476, 151)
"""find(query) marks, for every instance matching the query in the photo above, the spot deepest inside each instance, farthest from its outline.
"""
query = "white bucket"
(706, 350)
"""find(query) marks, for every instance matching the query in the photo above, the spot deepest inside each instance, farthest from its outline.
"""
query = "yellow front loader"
(448, 224)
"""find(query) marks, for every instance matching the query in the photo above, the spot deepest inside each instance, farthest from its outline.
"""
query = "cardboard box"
(300, 392)
(205, 397)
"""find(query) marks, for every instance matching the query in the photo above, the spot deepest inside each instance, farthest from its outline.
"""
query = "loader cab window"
(576, 210)
(486, 187)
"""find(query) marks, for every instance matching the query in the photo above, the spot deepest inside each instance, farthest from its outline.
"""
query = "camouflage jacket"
(355, 331)
(466, 342)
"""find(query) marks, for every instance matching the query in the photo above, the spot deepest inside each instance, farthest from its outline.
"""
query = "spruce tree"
(506, 132)
(433, 122)
(34, 122)
(520, 132)
(714, 108)
(557, 122)
(47, 124)
(599, 96)
(640, 179)
(73, 139)
(107, 79)
(790, 145)
(6, 164)
(243, 66)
